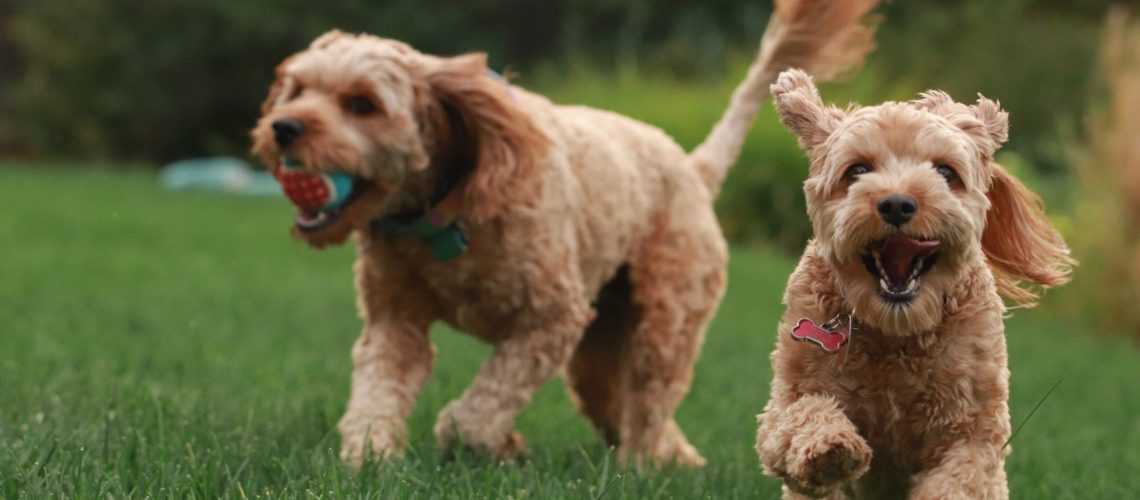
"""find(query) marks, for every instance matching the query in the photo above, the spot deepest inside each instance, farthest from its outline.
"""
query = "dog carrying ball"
(313, 192)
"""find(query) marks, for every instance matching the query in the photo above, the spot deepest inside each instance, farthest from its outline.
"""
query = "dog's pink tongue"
(898, 252)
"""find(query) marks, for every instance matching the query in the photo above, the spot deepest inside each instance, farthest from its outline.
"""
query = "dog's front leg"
(483, 418)
(812, 445)
(390, 364)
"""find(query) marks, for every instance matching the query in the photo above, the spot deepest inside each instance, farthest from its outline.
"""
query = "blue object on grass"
(220, 173)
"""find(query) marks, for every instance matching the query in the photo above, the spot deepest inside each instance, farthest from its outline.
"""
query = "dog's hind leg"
(594, 374)
(678, 277)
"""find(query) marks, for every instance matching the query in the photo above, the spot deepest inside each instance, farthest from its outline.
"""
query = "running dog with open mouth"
(903, 386)
(569, 238)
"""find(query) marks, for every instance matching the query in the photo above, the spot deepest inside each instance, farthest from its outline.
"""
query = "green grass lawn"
(180, 345)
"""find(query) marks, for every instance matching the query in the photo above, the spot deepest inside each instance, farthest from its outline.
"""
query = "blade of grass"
(1031, 412)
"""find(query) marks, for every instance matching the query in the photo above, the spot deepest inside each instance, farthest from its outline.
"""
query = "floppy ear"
(986, 122)
(801, 109)
(1020, 243)
(508, 145)
(995, 120)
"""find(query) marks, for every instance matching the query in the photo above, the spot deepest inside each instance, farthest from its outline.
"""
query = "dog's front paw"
(482, 434)
(371, 439)
(820, 463)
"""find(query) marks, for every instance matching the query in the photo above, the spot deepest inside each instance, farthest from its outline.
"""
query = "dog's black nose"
(286, 131)
(897, 209)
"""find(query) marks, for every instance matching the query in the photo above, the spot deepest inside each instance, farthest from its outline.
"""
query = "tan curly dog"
(569, 238)
(917, 231)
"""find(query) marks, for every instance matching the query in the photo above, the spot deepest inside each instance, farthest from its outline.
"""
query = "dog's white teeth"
(917, 268)
(912, 285)
(309, 221)
(878, 262)
(883, 284)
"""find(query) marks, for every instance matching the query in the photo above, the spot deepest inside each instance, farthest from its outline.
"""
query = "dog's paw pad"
(836, 465)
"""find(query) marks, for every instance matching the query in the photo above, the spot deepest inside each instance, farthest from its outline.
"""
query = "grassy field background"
(158, 344)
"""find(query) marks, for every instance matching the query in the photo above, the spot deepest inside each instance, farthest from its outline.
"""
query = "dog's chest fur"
(899, 392)
(909, 396)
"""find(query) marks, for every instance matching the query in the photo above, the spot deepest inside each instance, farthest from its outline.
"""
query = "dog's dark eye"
(359, 105)
(297, 89)
(947, 173)
(854, 171)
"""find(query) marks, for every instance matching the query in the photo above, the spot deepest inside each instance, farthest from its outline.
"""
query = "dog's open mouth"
(320, 198)
(898, 264)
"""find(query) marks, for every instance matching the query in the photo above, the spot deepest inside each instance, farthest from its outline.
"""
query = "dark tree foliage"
(154, 81)
(160, 80)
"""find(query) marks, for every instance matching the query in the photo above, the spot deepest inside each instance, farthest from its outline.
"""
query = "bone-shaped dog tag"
(830, 337)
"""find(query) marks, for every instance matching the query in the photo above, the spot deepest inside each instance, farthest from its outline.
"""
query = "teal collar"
(439, 227)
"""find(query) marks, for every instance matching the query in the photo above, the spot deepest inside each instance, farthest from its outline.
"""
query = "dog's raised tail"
(826, 38)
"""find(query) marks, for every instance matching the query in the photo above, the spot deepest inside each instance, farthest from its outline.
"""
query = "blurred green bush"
(152, 82)
(1104, 228)
(162, 80)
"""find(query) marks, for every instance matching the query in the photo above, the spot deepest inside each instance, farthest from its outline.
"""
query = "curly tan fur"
(594, 248)
(918, 406)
